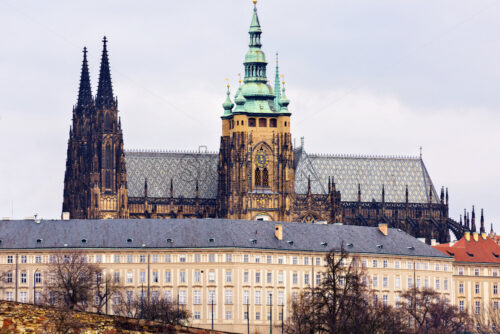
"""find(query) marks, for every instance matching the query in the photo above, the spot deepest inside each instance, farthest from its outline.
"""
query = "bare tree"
(427, 312)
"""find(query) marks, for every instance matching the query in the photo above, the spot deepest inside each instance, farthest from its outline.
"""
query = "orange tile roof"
(483, 250)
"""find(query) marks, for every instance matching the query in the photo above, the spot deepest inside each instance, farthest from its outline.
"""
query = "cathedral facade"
(257, 174)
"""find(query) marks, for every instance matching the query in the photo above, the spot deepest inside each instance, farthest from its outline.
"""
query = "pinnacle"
(105, 97)
(85, 90)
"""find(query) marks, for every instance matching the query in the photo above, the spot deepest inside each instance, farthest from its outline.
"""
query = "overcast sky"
(377, 77)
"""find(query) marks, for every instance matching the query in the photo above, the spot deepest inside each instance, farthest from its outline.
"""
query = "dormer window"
(129, 240)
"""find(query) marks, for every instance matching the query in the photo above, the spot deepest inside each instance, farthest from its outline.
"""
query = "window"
(318, 261)
(182, 276)
(445, 284)
(197, 297)
(396, 301)
(385, 299)
(385, 282)
(295, 278)
(130, 258)
(98, 258)
(257, 315)
(229, 315)
(269, 298)
(262, 122)
(116, 276)
(269, 277)
(426, 283)
(251, 122)
(168, 296)
(397, 264)
(155, 276)
(142, 277)
(229, 258)
(8, 278)
(269, 259)
(364, 263)
(38, 259)
(495, 289)
(38, 277)
(23, 278)
(477, 307)
(476, 272)
(445, 267)
(437, 267)
(461, 305)
(246, 297)
(197, 276)
(272, 122)
(155, 295)
(375, 281)
(426, 266)
(280, 298)
(229, 276)
(197, 258)
(495, 305)
(410, 283)
(418, 282)
(211, 297)
(295, 260)
(155, 258)
(461, 271)
(10, 259)
(168, 277)
(438, 284)
(211, 276)
(410, 266)
(257, 277)
(495, 273)
(182, 258)
(168, 258)
(281, 260)
(245, 277)
(477, 288)
(461, 288)
(318, 279)
(197, 315)
(23, 297)
(306, 260)
(182, 297)
(258, 298)
(24, 259)
(417, 265)
(228, 300)
(245, 258)
(306, 279)
(257, 259)
(9, 296)
(245, 315)
(211, 257)
(117, 258)
(130, 277)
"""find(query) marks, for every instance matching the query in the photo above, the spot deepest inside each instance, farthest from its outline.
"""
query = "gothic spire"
(482, 228)
(473, 221)
(85, 91)
(104, 97)
(277, 86)
(255, 60)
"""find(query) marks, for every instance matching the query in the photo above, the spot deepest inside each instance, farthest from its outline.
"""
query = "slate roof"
(395, 173)
(184, 168)
(481, 251)
(196, 233)
(371, 172)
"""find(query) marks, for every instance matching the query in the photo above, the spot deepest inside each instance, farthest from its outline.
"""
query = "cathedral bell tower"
(256, 176)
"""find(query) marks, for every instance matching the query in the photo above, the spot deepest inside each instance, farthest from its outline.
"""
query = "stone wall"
(28, 318)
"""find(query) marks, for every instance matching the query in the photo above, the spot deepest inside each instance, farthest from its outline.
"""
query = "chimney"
(382, 227)
(467, 236)
(65, 216)
(421, 240)
(433, 242)
(475, 235)
(278, 231)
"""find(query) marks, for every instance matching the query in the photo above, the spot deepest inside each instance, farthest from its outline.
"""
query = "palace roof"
(482, 250)
(370, 172)
(207, 234)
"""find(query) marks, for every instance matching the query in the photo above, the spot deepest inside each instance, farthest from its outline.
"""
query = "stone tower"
(95, 180)
(256, 176)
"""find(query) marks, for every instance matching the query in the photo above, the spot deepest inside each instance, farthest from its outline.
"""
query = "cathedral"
(257, 174)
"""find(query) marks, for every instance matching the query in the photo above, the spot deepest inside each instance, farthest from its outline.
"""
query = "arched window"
(108, 157)
(251, 122)
(272, 122)
(265, 178)
(285, 123)
(242, 123)
(262, 122)
(107, 180)
(258, 177)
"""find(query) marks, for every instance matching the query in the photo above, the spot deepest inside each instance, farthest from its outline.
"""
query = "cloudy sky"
(364, 77)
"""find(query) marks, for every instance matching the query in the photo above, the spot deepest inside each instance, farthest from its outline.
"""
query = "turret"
(228, 104)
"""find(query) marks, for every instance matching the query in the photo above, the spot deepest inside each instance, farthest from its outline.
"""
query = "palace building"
(257, 174)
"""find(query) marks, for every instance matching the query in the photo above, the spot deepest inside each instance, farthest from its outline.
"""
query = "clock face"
(261, 159)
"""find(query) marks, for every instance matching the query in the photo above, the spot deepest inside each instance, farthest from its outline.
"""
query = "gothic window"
(258, 177)
(108, 157)
(262, 122)
(108, 123)
(251, 122)
(107, 180)
(265, 178)
(272, 122)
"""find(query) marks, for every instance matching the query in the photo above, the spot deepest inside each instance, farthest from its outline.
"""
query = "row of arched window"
(263, 122)
(255, 71)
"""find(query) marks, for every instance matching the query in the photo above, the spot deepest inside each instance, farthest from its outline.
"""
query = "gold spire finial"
(227, 82)
(254, 2)
(283, 79)
(239, 78)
